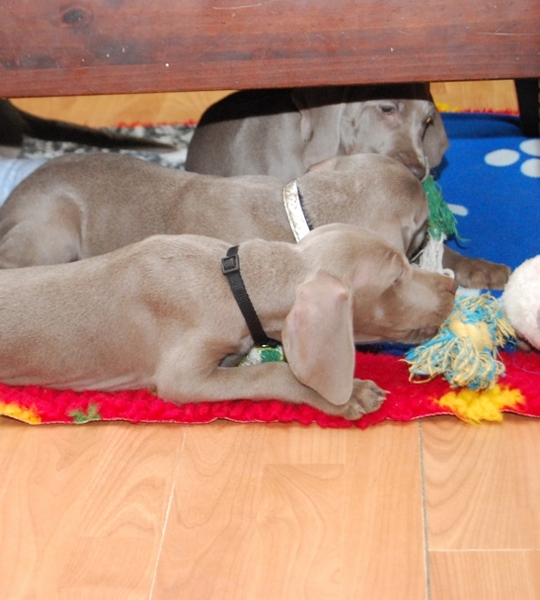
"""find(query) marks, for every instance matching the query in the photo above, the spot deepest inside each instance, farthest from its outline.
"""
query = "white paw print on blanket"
(506, 157)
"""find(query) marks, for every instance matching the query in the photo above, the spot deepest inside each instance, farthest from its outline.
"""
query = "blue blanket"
(491, 178)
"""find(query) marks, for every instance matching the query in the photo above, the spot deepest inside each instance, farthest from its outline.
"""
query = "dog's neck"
(262, 277)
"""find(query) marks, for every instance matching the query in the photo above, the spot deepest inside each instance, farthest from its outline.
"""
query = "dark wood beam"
(58, 47)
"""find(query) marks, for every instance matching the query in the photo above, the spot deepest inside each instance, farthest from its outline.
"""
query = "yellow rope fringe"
(465, 350)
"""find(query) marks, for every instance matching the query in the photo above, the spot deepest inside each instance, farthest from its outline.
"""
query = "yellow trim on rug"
(28, 415)
(475, 406)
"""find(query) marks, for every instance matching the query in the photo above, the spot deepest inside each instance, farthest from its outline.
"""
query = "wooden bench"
(58, 47)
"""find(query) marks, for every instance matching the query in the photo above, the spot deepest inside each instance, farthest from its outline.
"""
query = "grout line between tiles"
(167, 515)
(424, 511)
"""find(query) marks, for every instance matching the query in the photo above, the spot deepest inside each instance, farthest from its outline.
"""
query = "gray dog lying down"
(283, 132)
(159, 314)
(79, 206)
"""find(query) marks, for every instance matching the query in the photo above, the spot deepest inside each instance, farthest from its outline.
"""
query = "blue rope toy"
(465, 351)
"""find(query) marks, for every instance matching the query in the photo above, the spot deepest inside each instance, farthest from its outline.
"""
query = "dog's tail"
(61, 131)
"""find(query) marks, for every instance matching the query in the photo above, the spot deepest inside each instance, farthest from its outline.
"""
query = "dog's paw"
(367, 397)
(477, 273)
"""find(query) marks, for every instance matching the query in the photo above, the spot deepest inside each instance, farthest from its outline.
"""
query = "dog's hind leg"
(44, 235)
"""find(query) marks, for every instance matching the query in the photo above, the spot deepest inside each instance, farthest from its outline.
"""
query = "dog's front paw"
(367, 397)
(477, 273)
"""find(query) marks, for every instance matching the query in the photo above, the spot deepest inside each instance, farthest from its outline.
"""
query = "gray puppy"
(283, 132)
(159, 314)
(79, 206)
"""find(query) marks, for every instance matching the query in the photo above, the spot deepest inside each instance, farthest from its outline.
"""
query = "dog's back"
(92, 324)
(79, 206)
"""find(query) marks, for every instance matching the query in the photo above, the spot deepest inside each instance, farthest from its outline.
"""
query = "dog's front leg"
(273, 380)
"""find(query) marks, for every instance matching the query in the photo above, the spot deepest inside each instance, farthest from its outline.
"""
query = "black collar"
(230, 267)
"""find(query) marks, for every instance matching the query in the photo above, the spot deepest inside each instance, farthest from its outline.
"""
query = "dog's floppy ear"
(435, 141)
(318, 338)
(321, 110)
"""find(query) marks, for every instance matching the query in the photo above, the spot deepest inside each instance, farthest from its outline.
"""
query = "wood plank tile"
(82, 508)
(253, 518)
(384, 542)
(483, 484)
(486, 575)
(476, 95)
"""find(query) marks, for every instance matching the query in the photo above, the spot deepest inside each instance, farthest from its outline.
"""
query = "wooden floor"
(434, 510)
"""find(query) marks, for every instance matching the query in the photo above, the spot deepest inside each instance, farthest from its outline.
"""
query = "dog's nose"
(415, 166)
(447, 283)
(418, 170)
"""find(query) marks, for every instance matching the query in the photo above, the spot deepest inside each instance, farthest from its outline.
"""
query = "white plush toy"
(521, 300)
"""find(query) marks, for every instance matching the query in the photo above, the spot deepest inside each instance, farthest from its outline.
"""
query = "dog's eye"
(387, 109)
(429, 121)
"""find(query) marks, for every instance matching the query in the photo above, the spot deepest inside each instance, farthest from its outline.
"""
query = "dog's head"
(395, 120)
(368, 190)
(392, 300)
(361, 290)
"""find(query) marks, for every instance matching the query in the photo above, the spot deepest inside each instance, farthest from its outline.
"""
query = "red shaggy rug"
(518, 392)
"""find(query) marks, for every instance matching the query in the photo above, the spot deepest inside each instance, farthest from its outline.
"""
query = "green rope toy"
(259, 354)
(441, 225)
(465, 351)
(441, 219)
